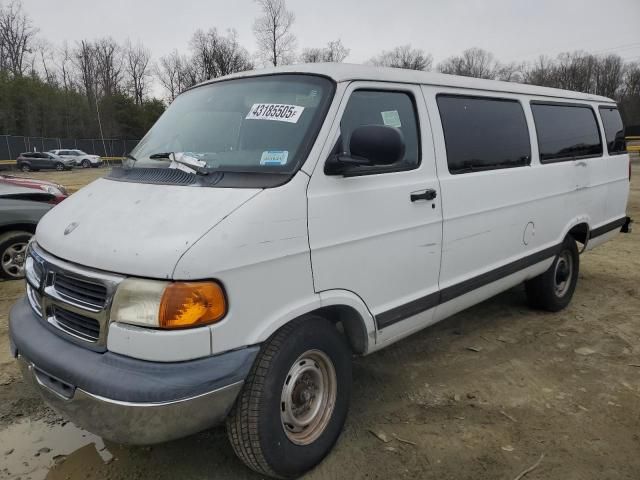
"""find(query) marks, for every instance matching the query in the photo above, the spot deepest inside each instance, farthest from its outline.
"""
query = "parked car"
(80, 158)
(273, 224)
(20, 210)
(58, 191)
(34, 161)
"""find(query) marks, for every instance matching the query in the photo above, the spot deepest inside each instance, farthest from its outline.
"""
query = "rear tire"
(294, 401)
(553, 290)
(25, 168)
(13, 250)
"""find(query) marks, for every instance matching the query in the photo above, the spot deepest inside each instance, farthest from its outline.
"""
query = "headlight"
(169, 305)
(51, 189)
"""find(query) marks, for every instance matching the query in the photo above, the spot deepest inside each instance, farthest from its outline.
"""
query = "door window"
(380, 107)
(483, 133)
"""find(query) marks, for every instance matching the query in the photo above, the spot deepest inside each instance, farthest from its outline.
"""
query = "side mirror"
(370, 145)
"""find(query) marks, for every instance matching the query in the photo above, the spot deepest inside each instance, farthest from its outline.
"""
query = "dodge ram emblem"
(70, 228)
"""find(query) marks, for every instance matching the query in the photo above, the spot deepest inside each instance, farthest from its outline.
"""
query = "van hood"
(132, 228)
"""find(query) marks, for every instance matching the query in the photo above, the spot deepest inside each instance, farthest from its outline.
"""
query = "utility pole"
(104, 146)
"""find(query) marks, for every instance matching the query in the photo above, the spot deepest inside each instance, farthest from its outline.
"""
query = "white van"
(274, 223)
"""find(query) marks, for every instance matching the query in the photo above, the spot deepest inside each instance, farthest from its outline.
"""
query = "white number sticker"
(275, 111)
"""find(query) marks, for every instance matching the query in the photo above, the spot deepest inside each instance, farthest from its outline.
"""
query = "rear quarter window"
(613, 130)
(566, 131)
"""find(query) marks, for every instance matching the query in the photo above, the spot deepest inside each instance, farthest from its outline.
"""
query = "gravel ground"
(482, 395)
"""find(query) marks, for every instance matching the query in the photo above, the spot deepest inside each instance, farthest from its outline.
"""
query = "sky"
(516, 30)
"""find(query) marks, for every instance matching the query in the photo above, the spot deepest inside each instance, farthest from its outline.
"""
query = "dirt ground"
(483, 395)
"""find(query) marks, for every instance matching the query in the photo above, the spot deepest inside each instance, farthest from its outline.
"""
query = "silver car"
(81, 159)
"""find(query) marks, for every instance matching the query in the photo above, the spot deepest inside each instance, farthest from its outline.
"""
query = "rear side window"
(380, 107)
(483, 133)
(566, 132)
(613, 130)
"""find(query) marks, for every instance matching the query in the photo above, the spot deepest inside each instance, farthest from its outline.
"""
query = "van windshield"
(259, 124)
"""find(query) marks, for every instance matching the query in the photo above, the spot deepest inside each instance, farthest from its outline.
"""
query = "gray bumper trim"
(136, 423)
(117, 377)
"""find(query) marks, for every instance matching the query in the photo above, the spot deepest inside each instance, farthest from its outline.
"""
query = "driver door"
(369, 232)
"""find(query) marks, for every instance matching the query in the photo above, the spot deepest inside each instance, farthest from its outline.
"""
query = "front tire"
(59, 167)
(553, 290)
(25, 168)
(294, 401)
(13, 250)
(86, 163)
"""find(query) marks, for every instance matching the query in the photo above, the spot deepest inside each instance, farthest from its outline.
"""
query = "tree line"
(103, 87)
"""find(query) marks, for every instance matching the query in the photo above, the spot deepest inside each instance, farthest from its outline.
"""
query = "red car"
(58, 191)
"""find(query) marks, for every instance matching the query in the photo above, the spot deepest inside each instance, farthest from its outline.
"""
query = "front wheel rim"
(308, 397)
(563, 273)
(13, 259)
(59, 167)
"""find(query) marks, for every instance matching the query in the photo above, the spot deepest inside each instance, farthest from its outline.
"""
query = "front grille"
(75, 300)
(34, 299)
(84, 327)
(79, 290)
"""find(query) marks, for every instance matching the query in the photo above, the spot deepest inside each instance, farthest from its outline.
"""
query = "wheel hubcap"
(308, 397)
(13, 259)
(563, 273)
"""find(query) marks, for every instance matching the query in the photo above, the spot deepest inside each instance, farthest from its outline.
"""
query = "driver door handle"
(428, 194)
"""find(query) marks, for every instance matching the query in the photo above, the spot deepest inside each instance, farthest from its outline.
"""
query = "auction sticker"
(275, 111)
(274, 157)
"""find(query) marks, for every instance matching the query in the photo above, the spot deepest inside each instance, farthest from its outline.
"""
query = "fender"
(358, 323)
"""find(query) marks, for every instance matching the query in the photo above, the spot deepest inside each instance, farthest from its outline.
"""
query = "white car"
(273, 224)
(81, 158)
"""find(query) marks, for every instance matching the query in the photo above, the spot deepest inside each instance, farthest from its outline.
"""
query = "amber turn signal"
(191, 304)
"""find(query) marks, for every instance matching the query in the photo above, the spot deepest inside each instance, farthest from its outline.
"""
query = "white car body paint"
(135, 229)
(158, 345)
(319, 241)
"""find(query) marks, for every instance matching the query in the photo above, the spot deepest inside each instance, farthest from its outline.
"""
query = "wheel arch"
(344, 308)
(578, 228)
(18, 227)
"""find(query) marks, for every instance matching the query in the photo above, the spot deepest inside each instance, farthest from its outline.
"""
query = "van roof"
(343, 72)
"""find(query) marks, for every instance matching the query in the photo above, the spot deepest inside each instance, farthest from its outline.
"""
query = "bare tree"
(474, 62)
(335, 51)
(276, 42)
(65, 66)
(85, 62)
(46, 59)
(404, 57)
(174, 74)
(574, 71)
(215, 55)
(109, 66)
(16, 36)
(631, 81)
(541, 72)
(608, 74)
(137, 60)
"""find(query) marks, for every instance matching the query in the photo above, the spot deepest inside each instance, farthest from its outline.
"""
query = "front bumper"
(122, 399)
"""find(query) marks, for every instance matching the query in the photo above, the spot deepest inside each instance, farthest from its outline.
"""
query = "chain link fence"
(11, 145)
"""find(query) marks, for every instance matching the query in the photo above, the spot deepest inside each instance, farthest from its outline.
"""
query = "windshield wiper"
(130, 157)
(172, 156)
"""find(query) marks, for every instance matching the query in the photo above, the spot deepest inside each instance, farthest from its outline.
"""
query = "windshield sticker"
(391, 118)
(274, 157)
(275, 111)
